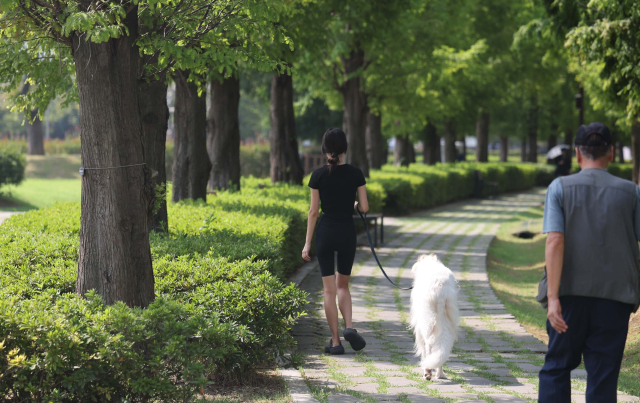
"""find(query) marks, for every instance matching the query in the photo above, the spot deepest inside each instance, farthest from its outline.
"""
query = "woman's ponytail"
(334, 144)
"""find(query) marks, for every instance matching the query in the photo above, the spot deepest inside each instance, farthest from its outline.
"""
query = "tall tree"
(532, 130)
(602, 38)
(224, 133)
(154, 114)
(376, 144)
(100, 43)
(430, 145)
(450, 152)
(283, 137)
(482, 136)
(355, 35)
(35, 137)
(191, 164)
(403, 153)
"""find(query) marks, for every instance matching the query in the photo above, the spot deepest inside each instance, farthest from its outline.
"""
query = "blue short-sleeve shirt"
(553, 220)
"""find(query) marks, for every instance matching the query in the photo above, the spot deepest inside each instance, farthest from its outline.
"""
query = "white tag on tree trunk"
(81, 171)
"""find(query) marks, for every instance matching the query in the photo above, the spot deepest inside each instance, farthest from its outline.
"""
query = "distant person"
(563, 163)
(592, 279)
(335, 186)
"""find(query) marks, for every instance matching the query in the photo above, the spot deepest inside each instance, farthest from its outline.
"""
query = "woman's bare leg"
(344, 299)
(330, 308)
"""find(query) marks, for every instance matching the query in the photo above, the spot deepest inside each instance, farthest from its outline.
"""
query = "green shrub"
(423, 186)
(624, 171)
(12, 166)
(66, 146)
(69, 145)
(213, 316)
(255, 160)
(68, 348)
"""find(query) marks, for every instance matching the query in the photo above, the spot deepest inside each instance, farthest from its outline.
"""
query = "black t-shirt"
(337, 188)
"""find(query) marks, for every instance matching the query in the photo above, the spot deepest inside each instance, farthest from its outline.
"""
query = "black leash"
(366, 227)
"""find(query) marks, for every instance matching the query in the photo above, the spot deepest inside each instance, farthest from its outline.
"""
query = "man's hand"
(305, 252)
(554, 314)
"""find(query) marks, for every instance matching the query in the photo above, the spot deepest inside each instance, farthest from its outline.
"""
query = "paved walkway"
(494, 360)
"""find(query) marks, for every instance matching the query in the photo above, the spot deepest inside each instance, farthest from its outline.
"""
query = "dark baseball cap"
(602, 135)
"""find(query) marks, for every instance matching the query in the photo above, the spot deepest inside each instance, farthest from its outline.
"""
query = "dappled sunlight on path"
(494, 359)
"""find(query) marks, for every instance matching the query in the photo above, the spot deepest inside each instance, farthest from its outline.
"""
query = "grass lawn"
(36, 193)
(49, 179)
(515, 267)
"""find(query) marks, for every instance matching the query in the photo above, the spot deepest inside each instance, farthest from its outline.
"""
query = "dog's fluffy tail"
(435, 346)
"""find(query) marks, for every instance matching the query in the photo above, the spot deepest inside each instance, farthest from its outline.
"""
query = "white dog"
(434, 313)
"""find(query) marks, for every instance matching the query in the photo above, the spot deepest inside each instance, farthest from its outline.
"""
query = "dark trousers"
(598, 331)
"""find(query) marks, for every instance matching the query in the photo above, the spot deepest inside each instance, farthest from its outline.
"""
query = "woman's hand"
(305, 252)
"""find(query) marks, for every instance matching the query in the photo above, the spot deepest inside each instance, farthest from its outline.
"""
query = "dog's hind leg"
(440, 373)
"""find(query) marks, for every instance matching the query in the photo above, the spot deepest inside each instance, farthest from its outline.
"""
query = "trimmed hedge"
(254, 160)
(12, 166)
(624, 171)
(423, 186)
(70, 145)
(213, 316)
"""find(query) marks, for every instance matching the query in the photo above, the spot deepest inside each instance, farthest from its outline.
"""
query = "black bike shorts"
(336, 235)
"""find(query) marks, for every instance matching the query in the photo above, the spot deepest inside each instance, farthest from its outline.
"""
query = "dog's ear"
(431, 256)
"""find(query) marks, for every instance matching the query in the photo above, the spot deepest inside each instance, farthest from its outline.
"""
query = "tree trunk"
(620, 152)
(191, 165)
(35, 139)
(568, 139)
(114, 254)
(403, 153)
(552, 141)
(482, 137)
(439, 150)
(35, 136)
(154, 115)
(283, 138)
(532, 130)
(449, 141)
(523, 150)
(635, 150)
(431, 143)
(224, 134)
(355, 112)
(463, 157)
(376, 146)
(504, 149)
(384, 151)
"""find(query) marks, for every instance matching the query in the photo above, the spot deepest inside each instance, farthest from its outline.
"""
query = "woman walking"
(334, 186)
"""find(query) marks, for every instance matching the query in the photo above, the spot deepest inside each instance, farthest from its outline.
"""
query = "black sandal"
(357, 342)
(334, 350)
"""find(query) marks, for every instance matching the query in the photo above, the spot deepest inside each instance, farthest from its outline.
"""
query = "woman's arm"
(363, 203)
(314, 210)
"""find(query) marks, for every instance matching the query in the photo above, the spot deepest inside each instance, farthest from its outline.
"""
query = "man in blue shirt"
(592, 278)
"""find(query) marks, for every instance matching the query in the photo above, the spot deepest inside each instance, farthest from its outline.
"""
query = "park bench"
(481, 185)
(374, 218)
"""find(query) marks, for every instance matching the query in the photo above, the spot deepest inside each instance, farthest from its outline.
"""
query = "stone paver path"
(494, 360)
